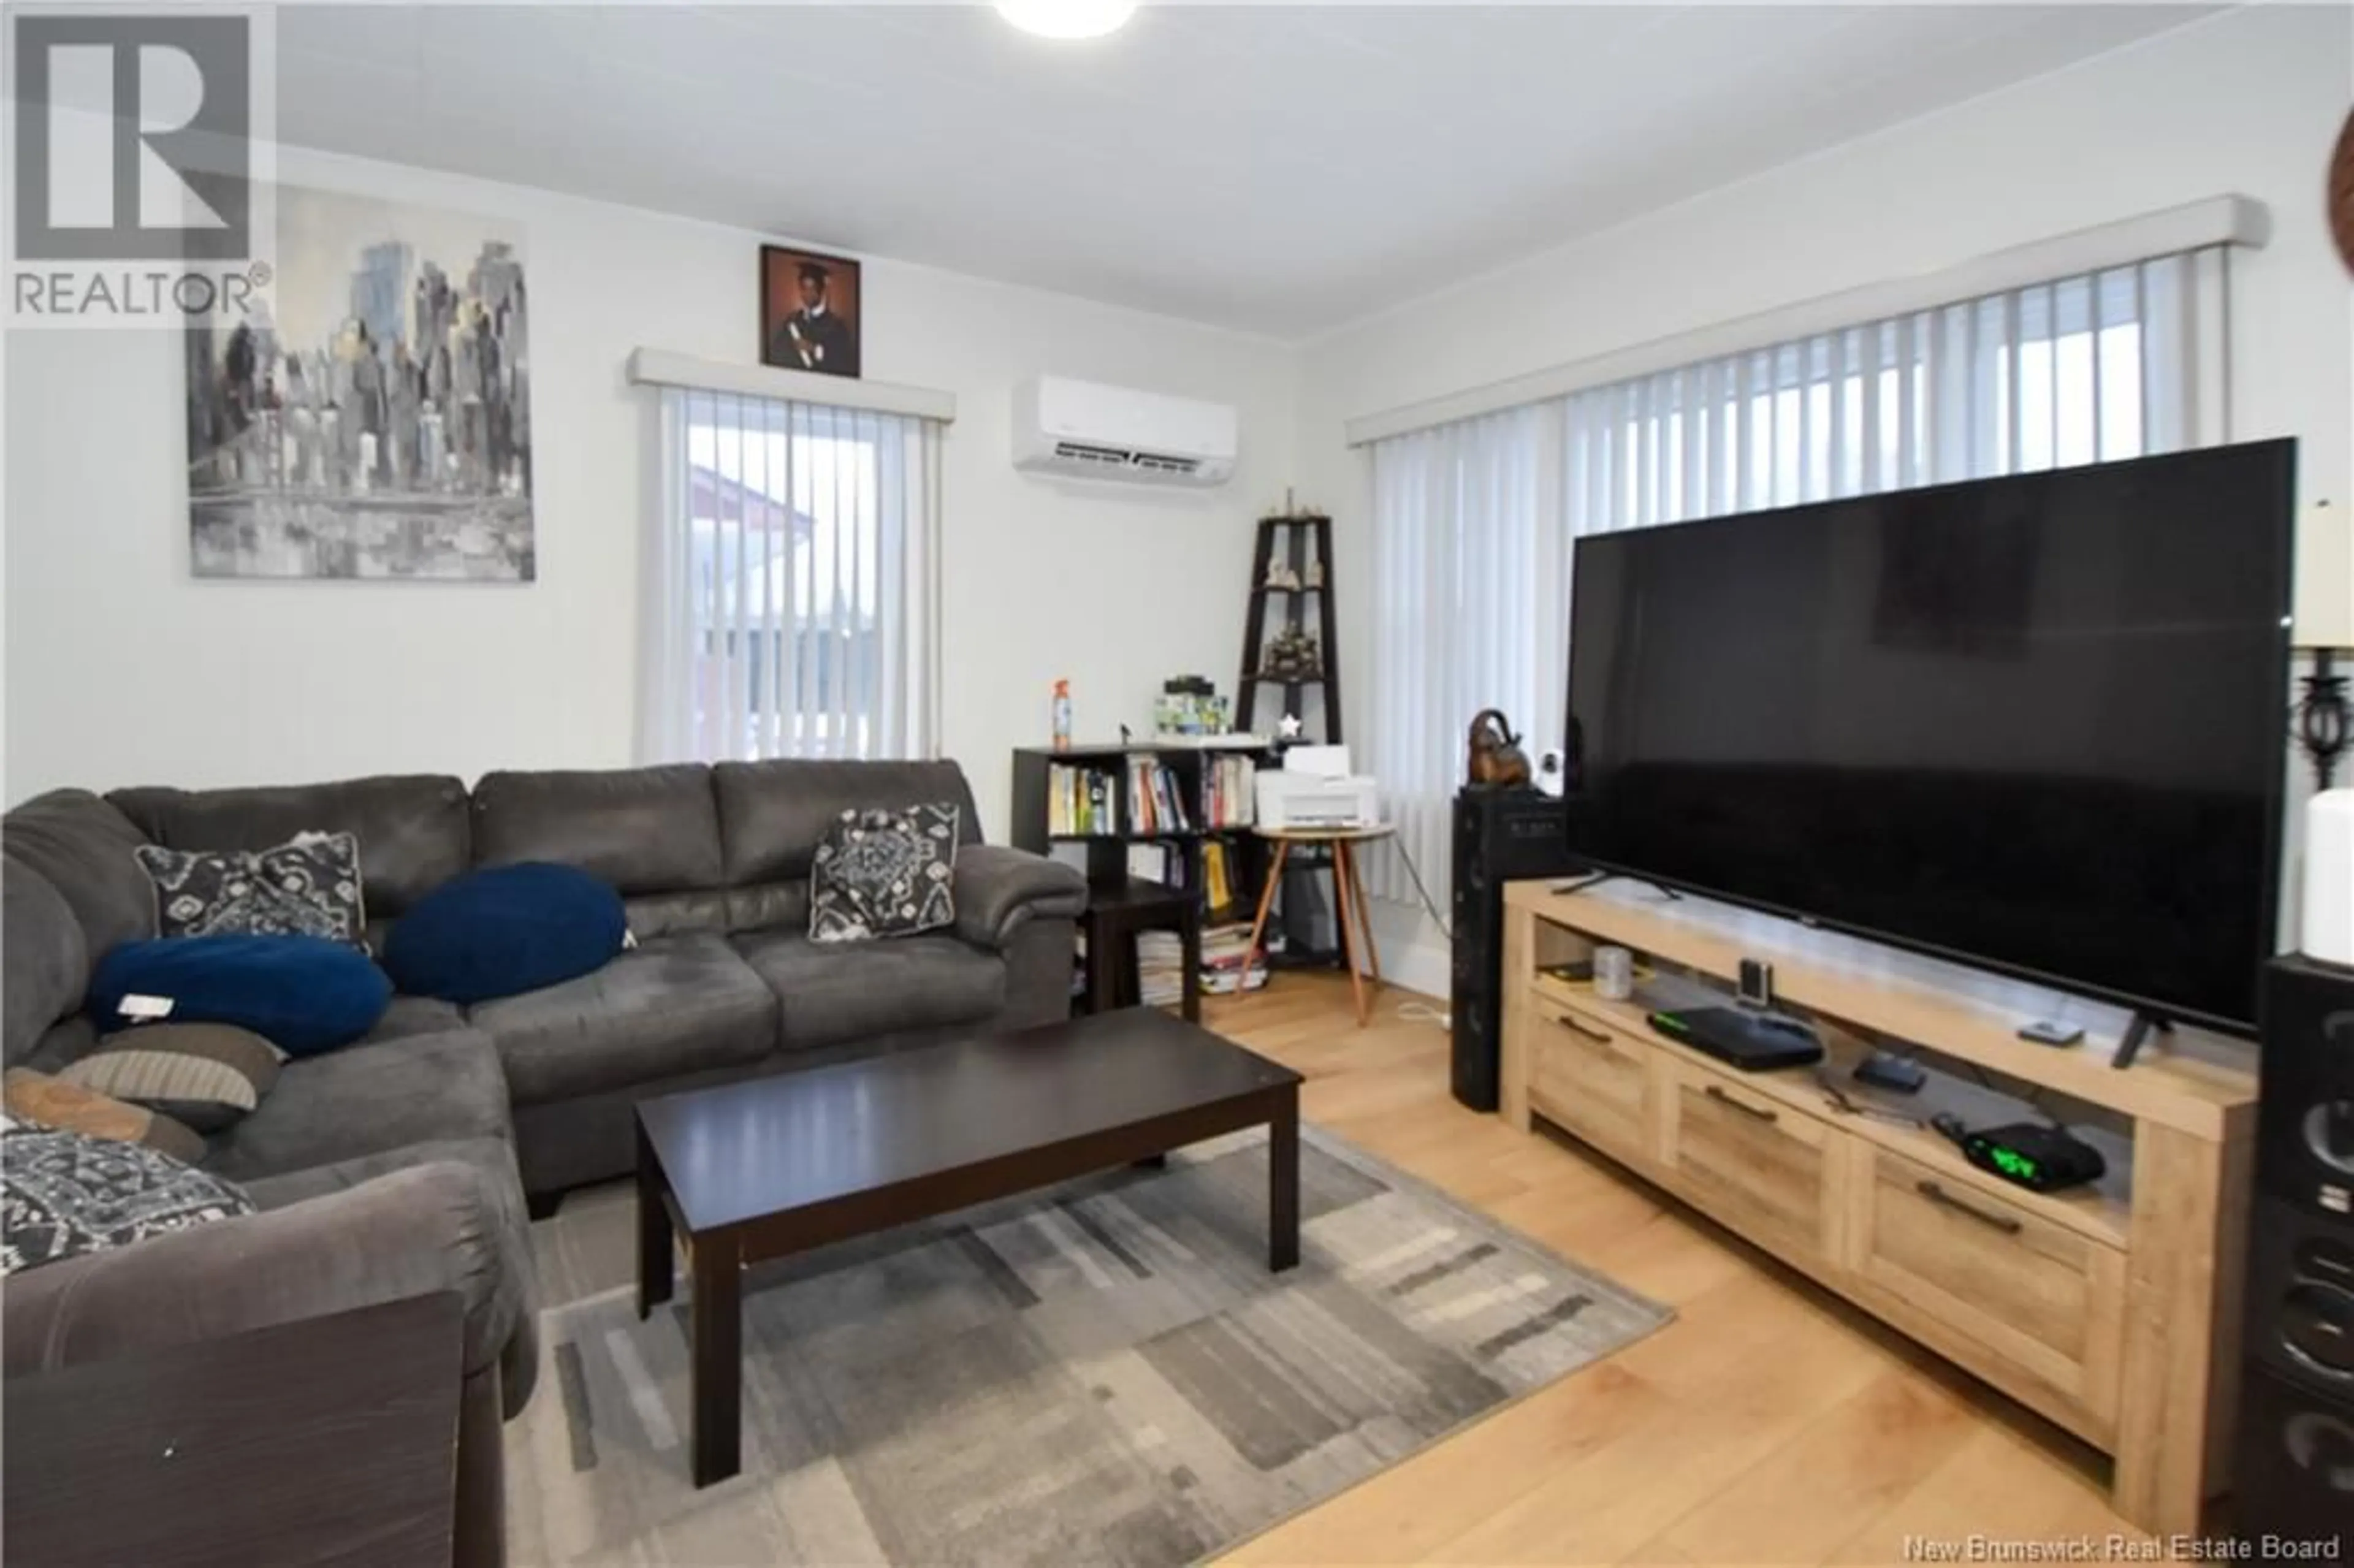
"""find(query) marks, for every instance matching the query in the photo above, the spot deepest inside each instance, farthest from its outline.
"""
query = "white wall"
(2249, 102)
(122, 669)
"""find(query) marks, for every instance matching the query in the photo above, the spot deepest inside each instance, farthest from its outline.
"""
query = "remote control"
(2044, 1032)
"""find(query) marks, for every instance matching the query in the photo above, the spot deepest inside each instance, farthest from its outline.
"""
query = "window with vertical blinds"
(1474, 521)
(793, 601)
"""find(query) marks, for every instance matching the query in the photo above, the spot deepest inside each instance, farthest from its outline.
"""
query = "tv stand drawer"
(2045, 1300)
(1590, 1079)
(1752, 1161)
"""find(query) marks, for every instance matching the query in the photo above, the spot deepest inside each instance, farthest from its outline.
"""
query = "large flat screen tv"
(2033, 724)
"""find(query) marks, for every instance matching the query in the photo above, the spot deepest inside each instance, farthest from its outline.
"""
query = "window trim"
(661, 367)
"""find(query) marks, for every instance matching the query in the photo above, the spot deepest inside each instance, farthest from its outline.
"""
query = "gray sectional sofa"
(402, 1163)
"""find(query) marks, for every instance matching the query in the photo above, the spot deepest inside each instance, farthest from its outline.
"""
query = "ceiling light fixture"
(1068, 18)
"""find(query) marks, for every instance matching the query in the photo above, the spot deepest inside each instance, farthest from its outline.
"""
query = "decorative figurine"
(1496, 758)
(1292, 655)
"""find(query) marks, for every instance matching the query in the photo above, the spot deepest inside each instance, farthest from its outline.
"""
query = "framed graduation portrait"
(808, 311)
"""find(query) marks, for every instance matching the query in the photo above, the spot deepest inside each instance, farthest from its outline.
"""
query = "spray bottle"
(1062, 715)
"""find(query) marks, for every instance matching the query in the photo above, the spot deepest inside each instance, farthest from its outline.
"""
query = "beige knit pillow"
(207, 1076)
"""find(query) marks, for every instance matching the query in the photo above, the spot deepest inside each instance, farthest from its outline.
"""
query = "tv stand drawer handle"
(1744, 1107)
(1574, 1027)
(1938, 1195)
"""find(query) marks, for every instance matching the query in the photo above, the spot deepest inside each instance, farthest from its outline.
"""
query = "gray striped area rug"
(1098, 1373)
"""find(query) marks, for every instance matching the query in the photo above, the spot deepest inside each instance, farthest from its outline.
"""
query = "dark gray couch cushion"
(411, 827)
(83, 846)
(677, 913)
(669, 1005)
(836, 991)
(48, 961)
(652, 833)
(772, 814)
(375, 1096)
(411, 1015)
(494, 1272)
(493, 1156)
(769, 906)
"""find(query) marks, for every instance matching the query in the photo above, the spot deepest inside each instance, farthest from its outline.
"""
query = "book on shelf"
(1229, 790)
(1156, 802)
(1160, 968)
(1223, 943)
(1217, 877)
(1159, 862)
(1078, 802)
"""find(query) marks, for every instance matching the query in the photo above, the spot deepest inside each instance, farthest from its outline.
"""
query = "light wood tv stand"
(2113, 1310)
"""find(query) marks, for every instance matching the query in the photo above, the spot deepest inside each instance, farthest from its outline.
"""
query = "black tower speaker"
(1499, 834)
(2296, 1459)
(2304, 1147)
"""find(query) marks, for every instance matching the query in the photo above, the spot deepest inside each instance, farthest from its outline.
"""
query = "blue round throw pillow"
(302, 994)
(505, 929)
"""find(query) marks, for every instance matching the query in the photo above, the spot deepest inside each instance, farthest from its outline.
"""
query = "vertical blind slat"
(1744, 423)
(2100, 425)
(2052, 364)
(2013, 456)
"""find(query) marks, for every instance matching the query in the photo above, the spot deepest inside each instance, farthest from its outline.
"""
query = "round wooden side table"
(1349, 900)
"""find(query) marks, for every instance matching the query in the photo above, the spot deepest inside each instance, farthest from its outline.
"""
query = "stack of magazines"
(1160, 963)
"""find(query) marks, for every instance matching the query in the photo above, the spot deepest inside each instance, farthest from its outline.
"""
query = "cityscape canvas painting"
(372, 418)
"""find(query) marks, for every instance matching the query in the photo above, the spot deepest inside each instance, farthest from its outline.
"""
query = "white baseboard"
(1414, 951)
(1419, 968)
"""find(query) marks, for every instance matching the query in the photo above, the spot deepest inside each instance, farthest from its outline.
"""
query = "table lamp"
(2323, 628)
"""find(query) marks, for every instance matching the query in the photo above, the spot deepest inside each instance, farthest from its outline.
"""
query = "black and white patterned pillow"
(66, 1193)
(308, 886)
(884, 874)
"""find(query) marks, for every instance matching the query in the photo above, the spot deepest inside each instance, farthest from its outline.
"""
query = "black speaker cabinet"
(1499, 835)
(2300, 1301)
(2296, 1469)
(2294, 1499)
(2305, 1150)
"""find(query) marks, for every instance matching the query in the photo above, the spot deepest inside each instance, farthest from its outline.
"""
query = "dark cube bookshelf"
(1248, 856)
(1107, 851)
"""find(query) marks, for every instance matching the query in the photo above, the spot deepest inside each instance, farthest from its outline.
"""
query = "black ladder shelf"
(1295, 542)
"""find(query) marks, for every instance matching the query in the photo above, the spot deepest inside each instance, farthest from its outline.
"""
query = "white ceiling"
(1278, 169)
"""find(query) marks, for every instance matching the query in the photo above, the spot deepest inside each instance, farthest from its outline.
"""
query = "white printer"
(1314, 788)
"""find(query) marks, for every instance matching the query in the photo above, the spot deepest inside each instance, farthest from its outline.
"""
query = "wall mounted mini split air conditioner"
(1084, 430)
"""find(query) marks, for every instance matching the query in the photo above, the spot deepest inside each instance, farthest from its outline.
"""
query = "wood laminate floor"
(1769, 1424)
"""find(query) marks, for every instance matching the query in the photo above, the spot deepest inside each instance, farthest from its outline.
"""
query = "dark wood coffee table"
(753, 1171)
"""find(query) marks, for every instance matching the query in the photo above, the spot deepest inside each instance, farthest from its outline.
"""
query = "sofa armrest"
(998, 889)
(427, 1228)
